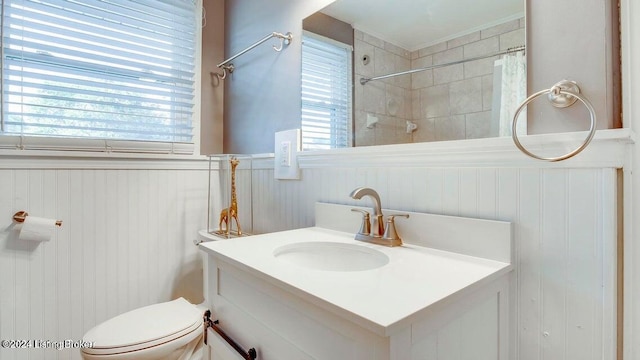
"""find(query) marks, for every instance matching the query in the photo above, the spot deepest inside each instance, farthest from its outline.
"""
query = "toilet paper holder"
(21, 215)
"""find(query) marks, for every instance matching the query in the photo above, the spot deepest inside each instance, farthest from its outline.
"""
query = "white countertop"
(382, 299)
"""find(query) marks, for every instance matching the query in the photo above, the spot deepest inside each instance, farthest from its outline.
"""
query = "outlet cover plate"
(291, 140)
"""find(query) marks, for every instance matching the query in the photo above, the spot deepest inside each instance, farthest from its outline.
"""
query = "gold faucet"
(387, 236)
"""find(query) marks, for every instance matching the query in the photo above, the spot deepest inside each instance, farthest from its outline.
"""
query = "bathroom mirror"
(462, 94)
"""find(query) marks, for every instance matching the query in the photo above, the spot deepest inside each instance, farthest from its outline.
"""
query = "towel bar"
(208, 323)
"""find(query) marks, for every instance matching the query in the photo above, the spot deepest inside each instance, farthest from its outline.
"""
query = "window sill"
(43, 159)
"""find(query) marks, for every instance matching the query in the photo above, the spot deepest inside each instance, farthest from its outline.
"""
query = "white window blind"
(117, 74)
(326, 93)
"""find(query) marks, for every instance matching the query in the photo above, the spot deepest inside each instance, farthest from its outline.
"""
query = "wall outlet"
(287, 145)
(285, 153)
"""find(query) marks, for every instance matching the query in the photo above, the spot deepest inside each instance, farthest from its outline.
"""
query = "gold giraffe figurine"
(232, 211)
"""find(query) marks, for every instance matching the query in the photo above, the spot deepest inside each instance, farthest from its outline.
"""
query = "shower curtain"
(513, 93)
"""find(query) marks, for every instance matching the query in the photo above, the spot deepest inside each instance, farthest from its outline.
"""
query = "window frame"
(349, 88)
(88, 147)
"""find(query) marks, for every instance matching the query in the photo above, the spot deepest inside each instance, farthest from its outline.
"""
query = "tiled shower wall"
(389, 100)
(449, 103)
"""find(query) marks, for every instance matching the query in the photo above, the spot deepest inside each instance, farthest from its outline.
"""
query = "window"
(326, 93)
(118, 74)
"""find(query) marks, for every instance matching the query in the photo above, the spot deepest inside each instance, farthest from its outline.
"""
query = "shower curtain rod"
(508, 51)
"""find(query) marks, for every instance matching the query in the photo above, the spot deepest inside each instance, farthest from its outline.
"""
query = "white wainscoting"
(126, 241)
(563, 301)
(129, 226)
(564, 286)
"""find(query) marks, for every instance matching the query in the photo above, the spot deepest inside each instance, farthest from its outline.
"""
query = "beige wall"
(212, 96)
(262, 96)
(329, 27)
(571, 40)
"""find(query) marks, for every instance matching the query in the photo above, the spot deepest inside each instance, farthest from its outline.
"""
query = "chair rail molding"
(608, 149)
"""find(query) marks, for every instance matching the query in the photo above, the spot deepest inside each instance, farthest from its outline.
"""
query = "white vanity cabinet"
(282, 326)
(423, 304)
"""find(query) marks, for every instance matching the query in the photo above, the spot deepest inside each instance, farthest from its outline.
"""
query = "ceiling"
(414, 24)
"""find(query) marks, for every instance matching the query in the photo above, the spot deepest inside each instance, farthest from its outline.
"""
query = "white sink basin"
(331, 256)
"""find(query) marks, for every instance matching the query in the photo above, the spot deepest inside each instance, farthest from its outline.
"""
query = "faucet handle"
(390, 232)
(365, 228)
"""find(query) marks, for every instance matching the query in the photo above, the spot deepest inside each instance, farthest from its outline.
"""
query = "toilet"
(172, 330)
(169, 330)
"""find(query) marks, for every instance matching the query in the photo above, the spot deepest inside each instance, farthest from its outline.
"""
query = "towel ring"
(562, 94)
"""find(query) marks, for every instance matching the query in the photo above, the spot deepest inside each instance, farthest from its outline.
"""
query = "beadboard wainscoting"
(564, 229)
(564, 287)
(126, 241)
(129, 226)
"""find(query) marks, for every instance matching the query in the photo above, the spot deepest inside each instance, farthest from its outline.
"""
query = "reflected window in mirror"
(326, 93)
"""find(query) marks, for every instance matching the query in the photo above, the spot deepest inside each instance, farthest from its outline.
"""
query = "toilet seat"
(146, 327)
